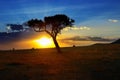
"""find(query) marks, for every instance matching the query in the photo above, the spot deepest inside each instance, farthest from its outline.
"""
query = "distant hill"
(116, 42)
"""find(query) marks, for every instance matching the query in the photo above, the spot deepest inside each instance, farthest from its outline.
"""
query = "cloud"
(36, 9)
(77, 28)
(84, 28)
(88, 38)
(98, 39)
(113, 20)
(32, 10)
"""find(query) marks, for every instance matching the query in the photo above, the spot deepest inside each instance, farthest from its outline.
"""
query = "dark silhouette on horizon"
(116, 42)
(52, 25)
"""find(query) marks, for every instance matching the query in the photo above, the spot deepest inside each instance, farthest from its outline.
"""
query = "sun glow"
(45, 42)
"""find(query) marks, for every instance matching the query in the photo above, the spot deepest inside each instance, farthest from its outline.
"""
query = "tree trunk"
(56, 45)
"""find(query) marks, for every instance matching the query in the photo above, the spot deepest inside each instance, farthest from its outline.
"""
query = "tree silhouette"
(51, 25)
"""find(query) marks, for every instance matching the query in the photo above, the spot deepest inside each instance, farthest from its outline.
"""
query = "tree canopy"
(51, 25)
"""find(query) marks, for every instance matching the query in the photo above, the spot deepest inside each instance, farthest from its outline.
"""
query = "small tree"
(51, 25)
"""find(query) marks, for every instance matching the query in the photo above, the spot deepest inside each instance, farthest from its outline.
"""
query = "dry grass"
(97, 62)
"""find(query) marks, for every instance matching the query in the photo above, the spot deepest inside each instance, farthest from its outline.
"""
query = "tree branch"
(48, 32)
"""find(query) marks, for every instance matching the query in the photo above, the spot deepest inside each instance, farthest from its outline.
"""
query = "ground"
(97, 62)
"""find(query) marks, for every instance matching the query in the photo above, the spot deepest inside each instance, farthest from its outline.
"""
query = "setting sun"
(45, 42)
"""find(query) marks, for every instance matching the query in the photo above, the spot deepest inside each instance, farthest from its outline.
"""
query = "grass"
(97, 62)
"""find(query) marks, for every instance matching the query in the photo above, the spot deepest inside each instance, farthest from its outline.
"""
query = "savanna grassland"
(97, 62)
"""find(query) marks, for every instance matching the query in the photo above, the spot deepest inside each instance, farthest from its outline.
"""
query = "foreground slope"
(98, 62)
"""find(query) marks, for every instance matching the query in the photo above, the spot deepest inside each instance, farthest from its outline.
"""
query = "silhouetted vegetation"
(51, 25)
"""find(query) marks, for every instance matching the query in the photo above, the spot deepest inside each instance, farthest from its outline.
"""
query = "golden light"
(45, 42)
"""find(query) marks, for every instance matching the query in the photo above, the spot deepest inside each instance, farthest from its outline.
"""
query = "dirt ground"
(97, 62)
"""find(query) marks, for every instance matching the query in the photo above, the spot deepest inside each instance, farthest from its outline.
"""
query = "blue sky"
(102, 17)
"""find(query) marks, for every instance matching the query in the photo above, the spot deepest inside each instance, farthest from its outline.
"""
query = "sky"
(99, 19)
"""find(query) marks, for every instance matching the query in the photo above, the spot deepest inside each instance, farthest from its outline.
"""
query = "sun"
(44, 42)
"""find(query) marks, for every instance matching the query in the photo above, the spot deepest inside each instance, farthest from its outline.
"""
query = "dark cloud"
(88, 38)
(99, 39)
(13, 37)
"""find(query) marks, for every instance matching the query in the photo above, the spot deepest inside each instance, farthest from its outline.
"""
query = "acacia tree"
(51, 25)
